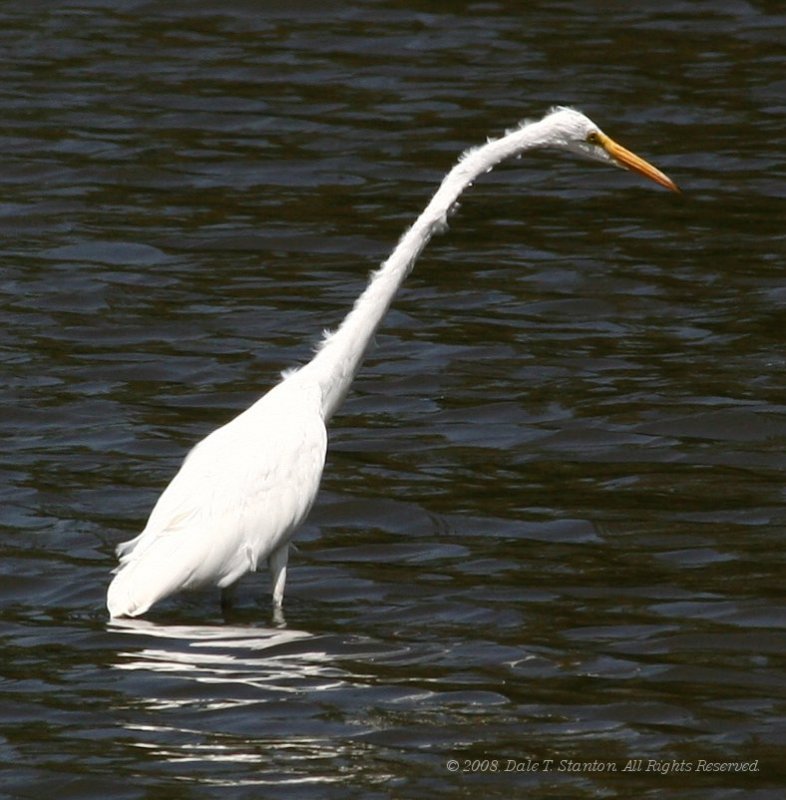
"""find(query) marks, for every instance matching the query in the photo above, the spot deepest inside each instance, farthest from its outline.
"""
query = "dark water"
(551, 525)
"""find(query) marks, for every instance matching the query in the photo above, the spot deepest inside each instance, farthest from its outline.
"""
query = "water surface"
(550, 528)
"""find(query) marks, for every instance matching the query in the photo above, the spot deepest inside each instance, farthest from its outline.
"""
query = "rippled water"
(549, 540)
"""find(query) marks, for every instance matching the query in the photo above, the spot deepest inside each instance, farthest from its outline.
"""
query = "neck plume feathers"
(341, 352)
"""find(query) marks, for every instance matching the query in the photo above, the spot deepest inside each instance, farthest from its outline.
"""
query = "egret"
(241, 492)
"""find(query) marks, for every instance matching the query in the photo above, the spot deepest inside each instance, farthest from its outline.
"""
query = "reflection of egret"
(277, 660)
(243, 490)
(203, 698)
(273, 658)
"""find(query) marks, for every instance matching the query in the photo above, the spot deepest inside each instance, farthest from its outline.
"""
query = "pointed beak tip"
(666, 182)
(630, 161)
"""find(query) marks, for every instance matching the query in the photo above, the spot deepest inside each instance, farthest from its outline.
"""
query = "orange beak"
(635, 164)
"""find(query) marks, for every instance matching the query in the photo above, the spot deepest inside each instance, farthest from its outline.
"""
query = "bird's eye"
(593, 138)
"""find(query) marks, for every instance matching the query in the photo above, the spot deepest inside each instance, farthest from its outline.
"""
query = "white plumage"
(242, 491)
(234, 505)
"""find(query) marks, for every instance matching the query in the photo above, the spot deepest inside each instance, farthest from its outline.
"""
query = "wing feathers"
(239, 494)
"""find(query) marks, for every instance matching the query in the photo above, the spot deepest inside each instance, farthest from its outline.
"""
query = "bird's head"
(569, 129)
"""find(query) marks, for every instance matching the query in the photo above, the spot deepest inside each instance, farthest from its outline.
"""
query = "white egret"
(243, 490)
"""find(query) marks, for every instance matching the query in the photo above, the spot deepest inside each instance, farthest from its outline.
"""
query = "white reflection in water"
(273, 659)
(302, 761)
(234, 672)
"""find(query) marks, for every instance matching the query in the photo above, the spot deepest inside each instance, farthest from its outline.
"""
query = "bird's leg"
(228, 598)
(278, 617)
(277, 563)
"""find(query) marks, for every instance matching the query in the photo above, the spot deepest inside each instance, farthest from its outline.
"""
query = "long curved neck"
(341, 353)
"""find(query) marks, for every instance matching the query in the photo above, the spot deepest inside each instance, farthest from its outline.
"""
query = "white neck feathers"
(341, 353)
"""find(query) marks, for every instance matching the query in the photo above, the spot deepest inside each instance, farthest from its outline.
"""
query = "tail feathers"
(141, 582)
(124, 549)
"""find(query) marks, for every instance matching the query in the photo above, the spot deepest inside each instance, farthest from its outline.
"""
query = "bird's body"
(244, 489)
(234, 504)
